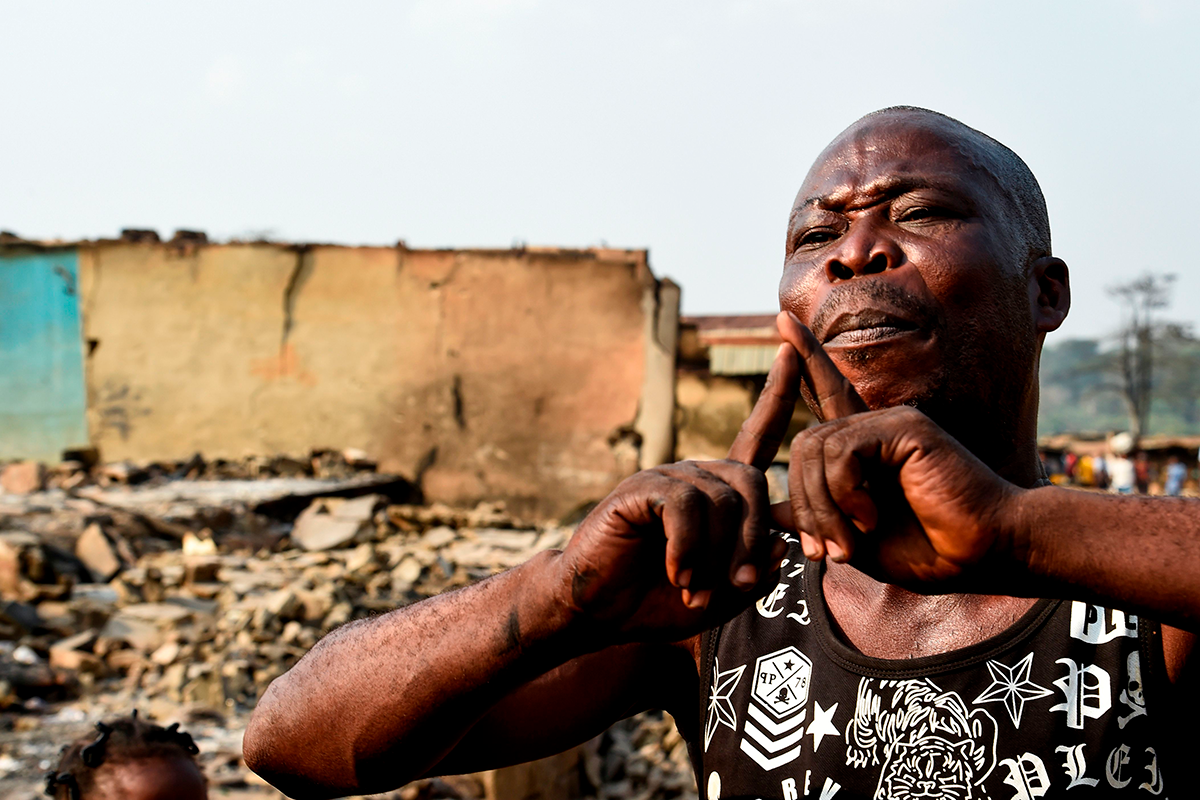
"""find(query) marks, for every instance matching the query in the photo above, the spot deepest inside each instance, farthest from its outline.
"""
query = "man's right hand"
(671, 552)
(684, 547)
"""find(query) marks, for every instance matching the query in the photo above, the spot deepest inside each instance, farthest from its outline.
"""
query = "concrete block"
(22, 477)
(332, 522)
(98, 553)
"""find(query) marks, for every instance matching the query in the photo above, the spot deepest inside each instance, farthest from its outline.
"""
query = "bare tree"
(1139, 299)
(1177, 368)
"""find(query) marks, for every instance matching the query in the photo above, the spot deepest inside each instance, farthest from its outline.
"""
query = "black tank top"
(1056, 703)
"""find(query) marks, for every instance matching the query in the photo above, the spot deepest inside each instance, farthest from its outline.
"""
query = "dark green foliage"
(1081, 386)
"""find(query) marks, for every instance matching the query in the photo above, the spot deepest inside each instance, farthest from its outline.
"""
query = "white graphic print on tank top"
(1059, 701)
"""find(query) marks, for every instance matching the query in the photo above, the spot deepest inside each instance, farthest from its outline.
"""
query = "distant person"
(1122, 474)
(1070, 465)
(1101, 475)
(1141, 472)
(1176, 475)
(130, 759)
(1087, 471)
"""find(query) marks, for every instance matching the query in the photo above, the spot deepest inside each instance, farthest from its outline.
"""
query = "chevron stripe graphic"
(776, 728)
(767, 763)
(772, 745)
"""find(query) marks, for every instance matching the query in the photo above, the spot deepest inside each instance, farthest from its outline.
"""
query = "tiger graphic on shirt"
(927, 742)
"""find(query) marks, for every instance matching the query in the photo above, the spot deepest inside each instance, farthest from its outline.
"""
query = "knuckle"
(751, 433)
(638, 481)
(835, 446)
(744, 477)
(726, 499)
(825, 515)
(756, 482)
(812, 448)
(687, 494)
(685, 498)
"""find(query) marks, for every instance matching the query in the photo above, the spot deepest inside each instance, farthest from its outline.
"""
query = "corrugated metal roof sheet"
(741, 359)
(730, 322)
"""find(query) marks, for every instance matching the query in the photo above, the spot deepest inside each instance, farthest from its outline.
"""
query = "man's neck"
(1008, 447)
(885, 621)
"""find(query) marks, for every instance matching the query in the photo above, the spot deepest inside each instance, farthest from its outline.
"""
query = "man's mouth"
(866, 327)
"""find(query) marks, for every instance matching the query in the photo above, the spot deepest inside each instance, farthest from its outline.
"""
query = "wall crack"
(300, 275)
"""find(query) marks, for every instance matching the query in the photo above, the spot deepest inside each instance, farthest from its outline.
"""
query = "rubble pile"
(642, 757)
(184, 592)
(81, 468)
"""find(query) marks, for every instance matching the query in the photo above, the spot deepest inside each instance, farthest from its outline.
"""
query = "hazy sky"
(684, 127)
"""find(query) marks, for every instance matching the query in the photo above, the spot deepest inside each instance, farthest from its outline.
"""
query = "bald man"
(934, 620)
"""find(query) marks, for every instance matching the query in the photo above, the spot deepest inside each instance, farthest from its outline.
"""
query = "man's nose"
(863, 250)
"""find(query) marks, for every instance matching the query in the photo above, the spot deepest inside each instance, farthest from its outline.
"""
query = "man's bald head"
(1011, 175)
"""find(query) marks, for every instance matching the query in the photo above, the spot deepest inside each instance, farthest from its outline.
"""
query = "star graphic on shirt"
(1011, 686)
(720, 706)
(822, 724)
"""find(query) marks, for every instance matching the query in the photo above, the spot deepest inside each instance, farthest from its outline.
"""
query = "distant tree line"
(1144, 378)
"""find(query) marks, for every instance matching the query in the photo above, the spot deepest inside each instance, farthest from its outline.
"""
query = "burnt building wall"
(537, 376)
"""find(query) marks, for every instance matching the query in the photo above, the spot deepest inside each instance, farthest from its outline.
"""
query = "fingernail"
(700, 599)
(684, 577)
(836, 553)
(779, 549)
(795, 319)
(746, 575)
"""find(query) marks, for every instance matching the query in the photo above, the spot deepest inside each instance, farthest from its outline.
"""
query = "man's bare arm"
(1141, 553)
(379, 702)
(447, 686)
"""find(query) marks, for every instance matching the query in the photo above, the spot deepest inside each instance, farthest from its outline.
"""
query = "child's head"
(129, 759)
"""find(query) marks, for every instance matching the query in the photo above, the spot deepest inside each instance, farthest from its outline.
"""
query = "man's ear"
(1049, 293)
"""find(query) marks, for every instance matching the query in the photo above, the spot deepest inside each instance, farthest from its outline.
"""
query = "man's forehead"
(892, 154)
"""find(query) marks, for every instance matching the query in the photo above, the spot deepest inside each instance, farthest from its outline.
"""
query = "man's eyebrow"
(882, 188)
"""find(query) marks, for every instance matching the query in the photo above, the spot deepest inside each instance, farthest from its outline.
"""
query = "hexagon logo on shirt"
(781, 681)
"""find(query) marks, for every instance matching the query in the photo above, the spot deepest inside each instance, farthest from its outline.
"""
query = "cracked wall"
(533, 376)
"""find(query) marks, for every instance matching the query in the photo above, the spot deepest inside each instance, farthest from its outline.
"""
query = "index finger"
(762, 433)
(833, 394)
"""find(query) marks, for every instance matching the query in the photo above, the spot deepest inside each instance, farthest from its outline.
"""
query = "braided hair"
(118, 741)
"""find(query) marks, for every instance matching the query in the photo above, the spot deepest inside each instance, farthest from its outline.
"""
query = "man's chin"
(906, 370)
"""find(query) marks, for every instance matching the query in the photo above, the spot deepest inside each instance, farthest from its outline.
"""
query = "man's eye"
(918, 213)
(816, 236)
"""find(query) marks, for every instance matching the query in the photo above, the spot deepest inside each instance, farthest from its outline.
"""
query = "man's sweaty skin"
(929, 299)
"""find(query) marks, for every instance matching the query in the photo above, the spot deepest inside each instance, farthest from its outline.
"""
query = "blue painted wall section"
(43, 403)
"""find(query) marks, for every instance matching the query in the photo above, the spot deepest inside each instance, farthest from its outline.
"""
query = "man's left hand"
(891, 492)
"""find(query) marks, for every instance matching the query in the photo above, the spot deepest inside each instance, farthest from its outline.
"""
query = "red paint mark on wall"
(283, 366)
